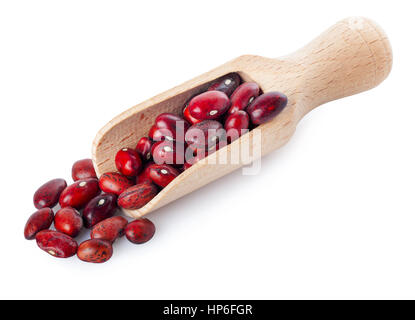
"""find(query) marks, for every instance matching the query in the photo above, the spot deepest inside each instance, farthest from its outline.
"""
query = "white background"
(331, 215)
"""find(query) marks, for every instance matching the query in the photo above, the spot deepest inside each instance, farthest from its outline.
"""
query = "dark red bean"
(187, 115)
(48, 194)
(114, 182)
(237, 124)
(168, 152)
(109, 229)
(99, 208)
(169, 126)
(83, 169)
(128, 162)
(266, 107)
(95, 251)
(140, 231)
(56, 243)
(143, 176)
(226, 84)
(243, 96)
(144, 148)
(78, 194)
(162, 174)
(38, 221)
(205, 134)
(209, 105)
(68, 221)
(137, 196)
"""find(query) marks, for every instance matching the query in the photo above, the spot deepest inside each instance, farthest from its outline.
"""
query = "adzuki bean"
(95, 251)
(266, 107)
(140, 231)
(83, 169)
(56, 243)
(38, 221)
(109, 229)
(48, 194)
(68, 221)
(114, 182)
(99, 208)
(78, 194)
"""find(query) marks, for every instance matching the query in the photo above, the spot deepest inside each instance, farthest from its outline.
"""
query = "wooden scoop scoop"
(352, 56)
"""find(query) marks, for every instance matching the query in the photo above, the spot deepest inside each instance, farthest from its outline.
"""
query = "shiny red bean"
(48, 194)
(205, 134)
(140, 231)
(266, 107)
(244, 95)
(109, 229)
(95, 251)
(68, 221)
(137, 196)
(83, 169)
(209, 105)
(78, 194)
(38, 221)
(128, 162)
(99, 208)
(114, 182)
(168, 152)
(226, 84)
(170, 127)
(237, 124)
(56, 243)
(144, 148)
(187, 115)
(162, 174)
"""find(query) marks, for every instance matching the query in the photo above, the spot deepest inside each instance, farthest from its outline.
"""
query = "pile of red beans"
(220, 114)
(210, 120)
(81, 205)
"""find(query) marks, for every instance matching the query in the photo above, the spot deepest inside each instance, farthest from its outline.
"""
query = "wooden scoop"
(352, 56)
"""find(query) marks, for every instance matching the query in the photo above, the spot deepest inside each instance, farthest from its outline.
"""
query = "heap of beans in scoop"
(220, 114)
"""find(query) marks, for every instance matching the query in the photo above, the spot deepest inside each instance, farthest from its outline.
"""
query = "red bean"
(128, 162)
(109, 229)
(144, 148)
(226, 84)
(266, 107)
(162, 174)
(95, 251)
(83, 169)
(78, 194)
(38, 221)
(56, 243)
(243, 96)
(68, 221)
(187, 115)
(48, 194)
(137, 196)
(99, 208)
(114, 182)
(237, 124)
(209, 105)
(168, 152)
(170, 127)
(140, 231)
(205, 134)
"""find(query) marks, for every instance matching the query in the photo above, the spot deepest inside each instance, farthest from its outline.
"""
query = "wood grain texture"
(352, 56)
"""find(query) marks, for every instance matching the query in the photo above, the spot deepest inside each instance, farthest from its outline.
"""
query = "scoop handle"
(352, 56)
